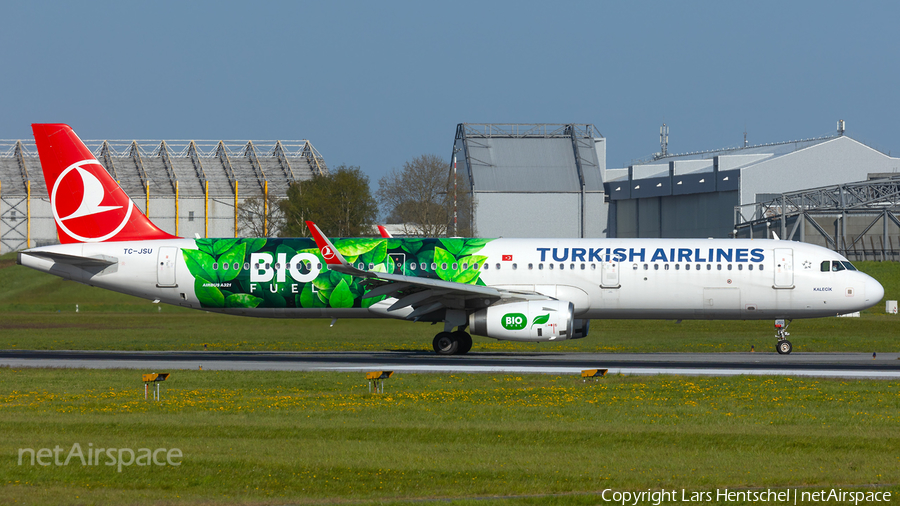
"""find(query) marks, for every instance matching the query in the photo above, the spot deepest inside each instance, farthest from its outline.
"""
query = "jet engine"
(532, 320)
(580, 328)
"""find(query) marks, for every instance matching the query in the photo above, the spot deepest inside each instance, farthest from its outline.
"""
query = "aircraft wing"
(424, 295)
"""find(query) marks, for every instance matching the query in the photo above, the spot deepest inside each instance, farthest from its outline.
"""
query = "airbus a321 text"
(510, 289)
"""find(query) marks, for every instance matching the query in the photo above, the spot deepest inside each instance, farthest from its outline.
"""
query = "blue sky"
(376, 83)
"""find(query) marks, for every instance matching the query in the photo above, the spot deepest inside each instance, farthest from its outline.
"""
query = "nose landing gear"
(783, 346)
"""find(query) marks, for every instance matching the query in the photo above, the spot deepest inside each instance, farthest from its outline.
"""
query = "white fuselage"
(603, 278)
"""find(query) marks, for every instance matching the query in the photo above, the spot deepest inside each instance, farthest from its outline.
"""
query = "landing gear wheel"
(445, 343)
(784, 347)
(464, 340)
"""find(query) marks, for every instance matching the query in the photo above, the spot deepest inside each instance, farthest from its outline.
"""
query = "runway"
(838, 365)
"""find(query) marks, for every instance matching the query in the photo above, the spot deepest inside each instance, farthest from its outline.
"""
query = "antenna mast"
(663, 140)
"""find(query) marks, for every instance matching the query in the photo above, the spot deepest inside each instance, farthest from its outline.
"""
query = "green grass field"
(37, 311)
(265, 438)
(321, 438)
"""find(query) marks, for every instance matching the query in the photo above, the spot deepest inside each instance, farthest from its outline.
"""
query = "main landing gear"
(452, 343)
(783, 346)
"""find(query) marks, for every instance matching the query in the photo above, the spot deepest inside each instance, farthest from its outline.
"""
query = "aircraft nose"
(874, 291)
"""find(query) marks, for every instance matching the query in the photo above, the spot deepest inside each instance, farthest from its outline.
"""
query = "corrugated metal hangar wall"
(695, 195)
(534, 180)
(185, 187)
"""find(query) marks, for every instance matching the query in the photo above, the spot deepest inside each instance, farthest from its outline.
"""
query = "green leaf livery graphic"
(301, 279)
(199, 264)
(540, 320)
(242, 300)
(341, 296)
(208, 294)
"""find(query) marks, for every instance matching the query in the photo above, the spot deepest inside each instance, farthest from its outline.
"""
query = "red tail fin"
(88, 205)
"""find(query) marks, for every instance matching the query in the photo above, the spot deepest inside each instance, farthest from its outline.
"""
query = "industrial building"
(534, 180)
(696, 194)
(186, 187)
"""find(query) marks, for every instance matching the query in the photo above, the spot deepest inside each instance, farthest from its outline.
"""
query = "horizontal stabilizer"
(98, 261)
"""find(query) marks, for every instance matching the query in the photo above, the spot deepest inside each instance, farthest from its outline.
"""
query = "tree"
(260, 217)
(420, 197)
(340, 203)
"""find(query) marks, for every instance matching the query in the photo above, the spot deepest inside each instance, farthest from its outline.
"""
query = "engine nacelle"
(533, 320)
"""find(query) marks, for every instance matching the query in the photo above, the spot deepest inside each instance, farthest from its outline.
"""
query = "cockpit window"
(826, 266)
(849, 266)
(836, 266)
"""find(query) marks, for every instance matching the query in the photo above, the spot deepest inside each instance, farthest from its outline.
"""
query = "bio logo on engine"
(514, 321)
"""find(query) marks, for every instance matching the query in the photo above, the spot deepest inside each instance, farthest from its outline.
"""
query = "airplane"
(507, 289)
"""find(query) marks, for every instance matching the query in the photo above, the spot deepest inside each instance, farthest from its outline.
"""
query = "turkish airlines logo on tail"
(327, 253)
(93, 221)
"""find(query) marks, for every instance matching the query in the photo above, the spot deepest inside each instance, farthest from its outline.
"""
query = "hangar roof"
(530, 157)
(156, 166)
(729, 158)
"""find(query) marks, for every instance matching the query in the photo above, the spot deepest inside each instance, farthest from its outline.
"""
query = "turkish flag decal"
(507, 258)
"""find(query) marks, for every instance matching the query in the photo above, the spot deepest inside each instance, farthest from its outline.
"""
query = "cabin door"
(784, 268)
(609, 275)
(399, 261)
(165, 269)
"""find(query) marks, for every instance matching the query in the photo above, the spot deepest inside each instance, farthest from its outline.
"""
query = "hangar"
(696, 194)
(185, 187)
(534, 180)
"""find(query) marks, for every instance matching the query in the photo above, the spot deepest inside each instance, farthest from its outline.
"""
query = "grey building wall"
(693, 196)
(677, 216)
(526, 179)
(836, 161)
